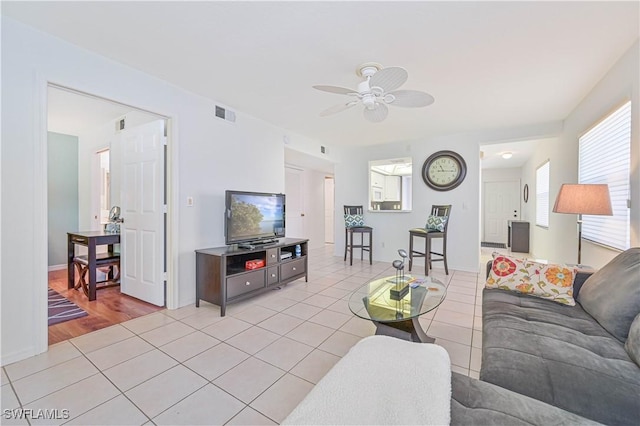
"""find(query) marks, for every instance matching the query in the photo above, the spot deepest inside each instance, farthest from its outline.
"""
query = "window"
(542, 195)
(604, 157)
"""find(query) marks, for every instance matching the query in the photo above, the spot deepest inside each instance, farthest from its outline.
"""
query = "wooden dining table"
(91, 240)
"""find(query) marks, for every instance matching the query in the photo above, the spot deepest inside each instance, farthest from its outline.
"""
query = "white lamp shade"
(584, 199)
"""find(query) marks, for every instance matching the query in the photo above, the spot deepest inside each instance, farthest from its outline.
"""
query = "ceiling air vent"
(225, 114)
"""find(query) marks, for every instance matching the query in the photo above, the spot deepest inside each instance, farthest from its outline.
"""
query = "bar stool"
(354, 224)
(103, 260)
(436, 227)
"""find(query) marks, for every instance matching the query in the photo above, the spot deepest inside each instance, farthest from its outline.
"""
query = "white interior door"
(142, 197)
(501, 203)
(293, 188)
(329, 209)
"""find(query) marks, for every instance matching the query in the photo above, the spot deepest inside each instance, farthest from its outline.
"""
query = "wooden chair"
(105, 261)
(358, 228)
(428, 235)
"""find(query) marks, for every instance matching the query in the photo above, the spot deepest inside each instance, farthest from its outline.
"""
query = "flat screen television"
(253, 217)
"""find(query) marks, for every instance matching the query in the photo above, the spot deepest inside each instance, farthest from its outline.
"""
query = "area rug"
(62, 309)
(492, 245)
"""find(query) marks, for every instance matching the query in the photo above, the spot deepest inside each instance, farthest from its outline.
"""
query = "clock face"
(444, 170)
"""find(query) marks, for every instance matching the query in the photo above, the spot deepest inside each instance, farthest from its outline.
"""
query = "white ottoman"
(381, 381)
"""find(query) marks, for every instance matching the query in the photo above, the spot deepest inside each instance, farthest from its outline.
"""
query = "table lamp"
(592, 199)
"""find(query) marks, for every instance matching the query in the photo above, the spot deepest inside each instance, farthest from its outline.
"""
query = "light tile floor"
(253, 366)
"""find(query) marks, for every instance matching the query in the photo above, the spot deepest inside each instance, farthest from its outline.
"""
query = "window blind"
(604, 157)
(542, 195)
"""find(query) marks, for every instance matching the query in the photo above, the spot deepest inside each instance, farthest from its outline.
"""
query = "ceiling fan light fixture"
(376, 114)
(377, 90)
(369, 101)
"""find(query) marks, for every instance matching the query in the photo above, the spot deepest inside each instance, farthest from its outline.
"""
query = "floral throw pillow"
(436, 223)
(547, 281)
(353, 220)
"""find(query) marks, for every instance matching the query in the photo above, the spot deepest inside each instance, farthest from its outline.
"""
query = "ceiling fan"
(376, 91)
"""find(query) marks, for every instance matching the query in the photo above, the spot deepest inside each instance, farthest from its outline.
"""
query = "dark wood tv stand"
(222, 278)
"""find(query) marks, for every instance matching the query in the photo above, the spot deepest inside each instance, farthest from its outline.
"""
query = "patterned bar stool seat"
(354, 224)
(436, 227)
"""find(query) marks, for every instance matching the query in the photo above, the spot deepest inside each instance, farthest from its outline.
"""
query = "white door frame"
(40, 226)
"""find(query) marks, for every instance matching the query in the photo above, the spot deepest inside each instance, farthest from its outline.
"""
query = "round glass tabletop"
(385, 300)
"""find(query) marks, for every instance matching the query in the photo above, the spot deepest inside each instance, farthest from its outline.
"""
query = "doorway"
(98, 124)
(295, 216)
(329, 209)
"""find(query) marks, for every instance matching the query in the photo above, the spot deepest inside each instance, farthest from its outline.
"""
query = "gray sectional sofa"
(543, 363)
(546, 363)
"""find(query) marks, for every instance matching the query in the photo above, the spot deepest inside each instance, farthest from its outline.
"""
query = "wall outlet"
(189, 201)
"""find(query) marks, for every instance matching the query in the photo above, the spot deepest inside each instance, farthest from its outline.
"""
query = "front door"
(142, 197)
(501, 203)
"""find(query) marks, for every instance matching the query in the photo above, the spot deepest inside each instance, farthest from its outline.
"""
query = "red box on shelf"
(254, 264)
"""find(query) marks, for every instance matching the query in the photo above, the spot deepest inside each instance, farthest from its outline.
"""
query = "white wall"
(560, 241)
(91, 142)
(501, 175)
(539, 243)
(392, 228)
(207, 155)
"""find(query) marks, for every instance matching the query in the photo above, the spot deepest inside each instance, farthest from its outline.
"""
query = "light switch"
(189, 201)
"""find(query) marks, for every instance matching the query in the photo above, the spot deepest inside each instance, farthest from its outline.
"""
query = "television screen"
(253, 216)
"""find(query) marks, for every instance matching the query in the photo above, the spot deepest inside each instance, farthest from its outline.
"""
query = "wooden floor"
(110, 307)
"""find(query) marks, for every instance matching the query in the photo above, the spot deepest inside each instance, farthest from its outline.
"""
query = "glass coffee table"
(394, 307)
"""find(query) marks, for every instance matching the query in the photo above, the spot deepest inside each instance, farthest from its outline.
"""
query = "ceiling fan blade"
(337, 108)
(336, 89)
(389, 78)
(378, 114)
(411, 98)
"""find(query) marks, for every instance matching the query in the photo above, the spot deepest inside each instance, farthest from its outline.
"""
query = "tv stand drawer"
(273, 275)
(291, 269)
(244, 283)
(272, 256)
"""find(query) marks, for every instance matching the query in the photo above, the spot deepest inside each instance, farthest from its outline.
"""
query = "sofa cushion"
(632, 345)
(474, 402)
(548, 281)
(612, 294)
(558, 354)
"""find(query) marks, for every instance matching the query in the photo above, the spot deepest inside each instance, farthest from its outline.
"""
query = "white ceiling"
(488, 64)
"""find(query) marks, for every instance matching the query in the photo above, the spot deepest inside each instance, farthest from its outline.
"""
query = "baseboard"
(57, 267)
(18, 356)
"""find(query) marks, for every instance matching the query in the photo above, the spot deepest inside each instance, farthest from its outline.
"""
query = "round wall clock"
(444, 170)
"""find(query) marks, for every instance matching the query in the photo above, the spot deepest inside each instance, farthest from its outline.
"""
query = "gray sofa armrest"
(581, 277)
